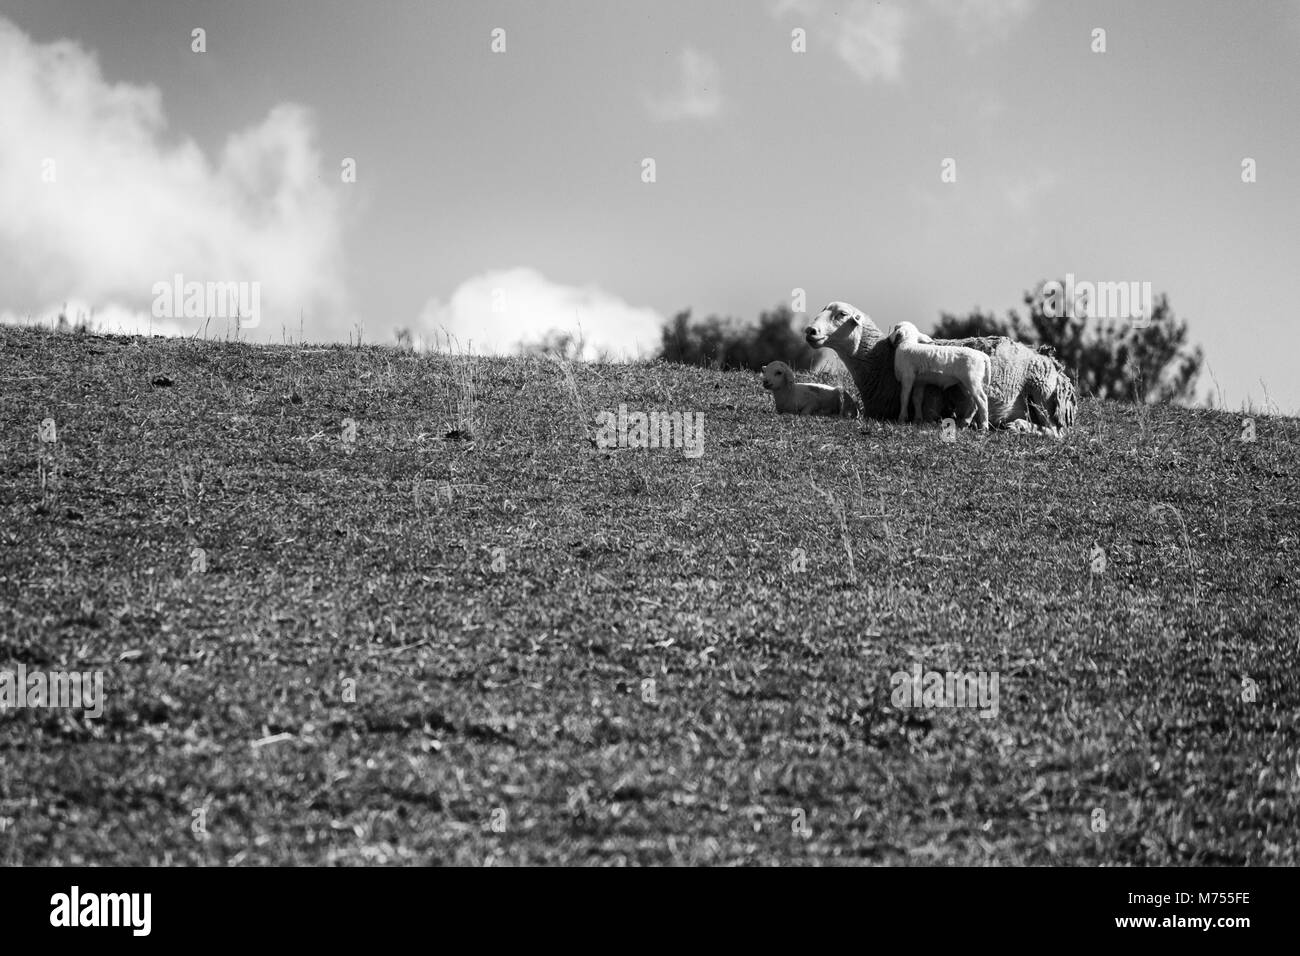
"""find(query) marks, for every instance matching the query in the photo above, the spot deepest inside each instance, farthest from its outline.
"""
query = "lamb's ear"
(922, 337)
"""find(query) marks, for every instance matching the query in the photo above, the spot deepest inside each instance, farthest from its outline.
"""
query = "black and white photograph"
(734, 433)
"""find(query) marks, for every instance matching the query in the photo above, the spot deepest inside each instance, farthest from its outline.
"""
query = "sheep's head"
(838, 327)
(1066, 400)
(777, 375)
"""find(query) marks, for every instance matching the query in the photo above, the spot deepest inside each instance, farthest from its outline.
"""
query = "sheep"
(805, 398)
(918, 360)
(1023, 384)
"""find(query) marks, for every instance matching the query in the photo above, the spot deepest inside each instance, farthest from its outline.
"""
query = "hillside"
(469, 635)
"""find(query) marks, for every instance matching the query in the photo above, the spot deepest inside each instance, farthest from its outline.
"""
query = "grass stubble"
(465, 634)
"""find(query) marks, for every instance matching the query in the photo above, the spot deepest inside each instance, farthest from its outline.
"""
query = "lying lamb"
(805, 398)
(917, 360)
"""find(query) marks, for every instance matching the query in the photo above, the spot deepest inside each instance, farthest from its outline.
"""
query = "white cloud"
(870, 40)
(130, 207)
(497, 311)
(116, 320)
(866, 35)
(870, 36)
(698, 95)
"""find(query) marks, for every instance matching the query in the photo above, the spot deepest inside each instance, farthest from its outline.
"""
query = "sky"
(501, 193)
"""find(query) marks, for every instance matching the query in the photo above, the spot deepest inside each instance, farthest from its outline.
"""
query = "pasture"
(457, 631)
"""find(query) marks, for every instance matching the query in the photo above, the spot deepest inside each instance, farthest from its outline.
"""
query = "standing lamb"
(1023, 385)
(917, 360)
(805, 398)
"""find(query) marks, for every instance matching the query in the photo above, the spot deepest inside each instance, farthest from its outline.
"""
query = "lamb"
(1023, 384)
(918, 360)
(805, 398)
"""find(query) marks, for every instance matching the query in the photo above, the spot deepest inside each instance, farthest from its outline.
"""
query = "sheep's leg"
(964, 407)
(974, 404)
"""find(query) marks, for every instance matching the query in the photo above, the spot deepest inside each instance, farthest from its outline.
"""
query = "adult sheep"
(1023, 385)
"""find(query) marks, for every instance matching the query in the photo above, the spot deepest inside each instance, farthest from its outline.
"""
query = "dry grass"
(434, 649)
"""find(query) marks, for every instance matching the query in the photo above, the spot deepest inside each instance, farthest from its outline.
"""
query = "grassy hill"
(469, 635)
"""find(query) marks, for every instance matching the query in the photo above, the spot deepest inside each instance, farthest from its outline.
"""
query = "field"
(463, 633)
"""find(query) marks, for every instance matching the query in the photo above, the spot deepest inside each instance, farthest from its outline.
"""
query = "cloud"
(870, 40)
(500, 310)
(113, 319)
(698, 95)
(129, 206)
(867, 36)
(870, 36)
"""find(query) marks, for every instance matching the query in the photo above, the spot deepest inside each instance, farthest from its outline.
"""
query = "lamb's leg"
(904, 396)
(918, 405)
(982, 407)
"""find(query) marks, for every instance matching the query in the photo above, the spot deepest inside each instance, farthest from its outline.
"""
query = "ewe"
(805, 398)
(917, 360)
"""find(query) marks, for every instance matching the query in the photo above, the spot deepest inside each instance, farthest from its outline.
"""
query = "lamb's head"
(907, 332)
(776, 376)
(838, 327)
